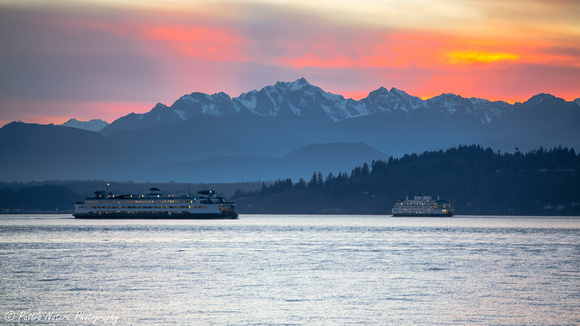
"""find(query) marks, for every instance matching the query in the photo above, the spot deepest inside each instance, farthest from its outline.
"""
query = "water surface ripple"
(290, 270)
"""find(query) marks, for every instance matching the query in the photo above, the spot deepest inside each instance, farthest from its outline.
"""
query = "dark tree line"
(476, 180)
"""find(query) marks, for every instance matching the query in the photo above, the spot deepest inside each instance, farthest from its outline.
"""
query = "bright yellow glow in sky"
(474, 56)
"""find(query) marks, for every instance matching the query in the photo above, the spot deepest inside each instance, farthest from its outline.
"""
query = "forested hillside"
(474, 179)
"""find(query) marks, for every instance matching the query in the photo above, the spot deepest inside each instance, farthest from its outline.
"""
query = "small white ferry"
(205, 205)
(423, 206)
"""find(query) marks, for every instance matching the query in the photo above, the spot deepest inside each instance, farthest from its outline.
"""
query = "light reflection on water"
(292, 269)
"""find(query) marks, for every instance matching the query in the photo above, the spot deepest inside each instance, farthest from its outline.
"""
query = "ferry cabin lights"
(123, 201)
(143, 207)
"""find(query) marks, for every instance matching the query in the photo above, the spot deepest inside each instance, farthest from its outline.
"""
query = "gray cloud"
(42, 58)
(569, 51)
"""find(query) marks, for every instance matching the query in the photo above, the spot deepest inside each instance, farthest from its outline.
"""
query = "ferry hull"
(423, 215)
(165, 216)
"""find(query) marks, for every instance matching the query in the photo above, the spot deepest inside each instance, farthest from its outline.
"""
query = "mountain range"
(287, 130)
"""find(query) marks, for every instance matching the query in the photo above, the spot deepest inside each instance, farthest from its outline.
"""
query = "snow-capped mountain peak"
(91, 125)
(200, 104)
(390, 101)
(539, 98)
(298, 98)
(293, 86)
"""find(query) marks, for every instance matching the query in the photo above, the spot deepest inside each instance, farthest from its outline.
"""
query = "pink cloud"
(204, 43)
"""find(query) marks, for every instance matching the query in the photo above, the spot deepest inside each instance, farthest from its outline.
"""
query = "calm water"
(290, 270)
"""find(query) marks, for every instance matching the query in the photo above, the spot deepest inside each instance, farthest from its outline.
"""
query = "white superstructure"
(423, 206)
(206, 204)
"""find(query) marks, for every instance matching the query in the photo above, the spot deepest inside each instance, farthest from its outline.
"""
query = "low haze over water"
(290, 270)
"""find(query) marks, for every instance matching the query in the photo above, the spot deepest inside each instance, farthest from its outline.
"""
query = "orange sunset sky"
(106, 58)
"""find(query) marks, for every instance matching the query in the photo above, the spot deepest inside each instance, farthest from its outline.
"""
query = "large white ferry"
(423, 206)
(206, 204)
